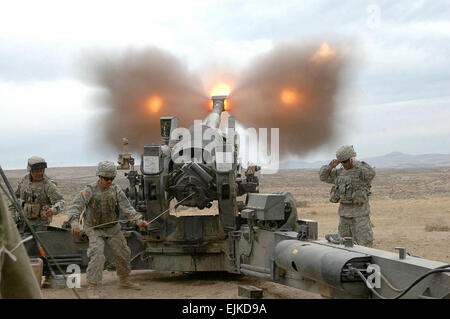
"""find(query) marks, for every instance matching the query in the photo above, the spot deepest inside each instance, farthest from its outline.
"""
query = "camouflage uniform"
(352, 190)
(102, 206)
(36, 197)
(17, 279)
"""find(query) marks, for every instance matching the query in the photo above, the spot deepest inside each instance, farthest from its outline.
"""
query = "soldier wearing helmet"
(351, 189)
(39, 195)
(102, 201)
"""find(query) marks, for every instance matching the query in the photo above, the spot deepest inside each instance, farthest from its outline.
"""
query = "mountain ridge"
(390, 160)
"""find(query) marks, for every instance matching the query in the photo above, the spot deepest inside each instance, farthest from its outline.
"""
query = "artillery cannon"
(260, 235)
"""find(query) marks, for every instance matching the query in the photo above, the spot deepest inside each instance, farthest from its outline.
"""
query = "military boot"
(92, 292)
(125, 283)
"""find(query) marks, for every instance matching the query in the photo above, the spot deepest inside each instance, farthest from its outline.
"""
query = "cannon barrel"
(318, 262)
(213, 119)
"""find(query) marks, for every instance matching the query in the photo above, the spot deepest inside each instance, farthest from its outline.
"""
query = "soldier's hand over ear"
(334, 163)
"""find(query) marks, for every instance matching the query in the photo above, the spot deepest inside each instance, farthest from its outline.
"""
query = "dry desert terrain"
(410, 208)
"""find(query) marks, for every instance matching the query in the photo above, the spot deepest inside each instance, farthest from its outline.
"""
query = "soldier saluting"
(352, 183)
(102, 201)
(39, 196)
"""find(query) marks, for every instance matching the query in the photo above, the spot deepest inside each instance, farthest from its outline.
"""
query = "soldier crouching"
(352, 183)
(39, 196)
(102, 201)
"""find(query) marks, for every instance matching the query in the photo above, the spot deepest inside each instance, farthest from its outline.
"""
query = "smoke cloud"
(292, 87)
(142, 86)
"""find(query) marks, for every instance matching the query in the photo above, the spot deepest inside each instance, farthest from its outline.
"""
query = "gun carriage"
(248, 232)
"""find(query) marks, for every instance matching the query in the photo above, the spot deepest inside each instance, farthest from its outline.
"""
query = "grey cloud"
(63, 149)
(386, 75)
(409, 11)
(417, 126)
(23, 61)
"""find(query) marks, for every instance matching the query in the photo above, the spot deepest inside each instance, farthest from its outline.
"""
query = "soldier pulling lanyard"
(126, 220)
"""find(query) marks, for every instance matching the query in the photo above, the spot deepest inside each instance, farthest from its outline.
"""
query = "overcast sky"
(398, 96)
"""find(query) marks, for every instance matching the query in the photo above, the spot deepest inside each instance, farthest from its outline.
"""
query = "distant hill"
(391, 160)
(402, 160)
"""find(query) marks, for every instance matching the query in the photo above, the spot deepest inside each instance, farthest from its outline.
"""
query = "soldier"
(39, 196)
(351, 189)
(102, 201)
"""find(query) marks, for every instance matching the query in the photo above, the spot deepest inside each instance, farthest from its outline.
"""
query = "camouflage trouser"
(357, 227)
(118, 244)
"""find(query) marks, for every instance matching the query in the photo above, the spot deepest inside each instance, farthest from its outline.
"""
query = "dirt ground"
(410, 208)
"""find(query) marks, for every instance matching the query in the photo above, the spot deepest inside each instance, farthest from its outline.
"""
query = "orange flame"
(324, 53)
(154, 104)
(226, 105)
(289, 97)
(221, 88)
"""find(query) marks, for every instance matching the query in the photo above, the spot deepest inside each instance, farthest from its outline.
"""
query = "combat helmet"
(106, 169)
(36, 163)
(344, 153)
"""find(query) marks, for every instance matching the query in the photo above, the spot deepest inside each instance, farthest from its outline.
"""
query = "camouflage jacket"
(102, 206)
(41, 193)
(351, 187)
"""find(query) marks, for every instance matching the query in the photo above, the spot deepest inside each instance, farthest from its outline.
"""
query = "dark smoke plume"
(140, 87)
(294, 88)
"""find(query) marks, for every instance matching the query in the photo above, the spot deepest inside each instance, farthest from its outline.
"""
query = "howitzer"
(260, 235)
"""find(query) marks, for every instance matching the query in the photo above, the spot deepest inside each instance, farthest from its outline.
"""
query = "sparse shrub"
(312, 213)
(436, 227)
